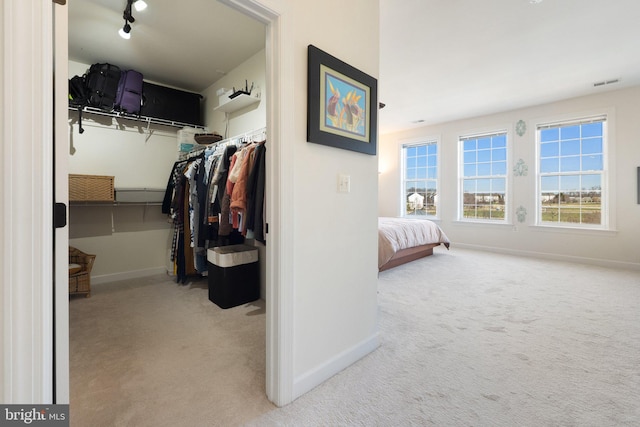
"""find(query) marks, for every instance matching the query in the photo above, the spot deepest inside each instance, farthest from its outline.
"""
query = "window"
(420, 179)
(483, 176)
(571, 170)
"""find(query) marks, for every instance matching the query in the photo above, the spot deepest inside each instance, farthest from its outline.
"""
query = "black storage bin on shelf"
(175, 105)
(234, 275)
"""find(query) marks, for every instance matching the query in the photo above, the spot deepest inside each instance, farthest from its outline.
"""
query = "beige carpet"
(467, 339)
(150, 352)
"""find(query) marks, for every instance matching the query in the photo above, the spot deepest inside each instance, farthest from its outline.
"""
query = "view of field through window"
(570, 171)
(420, 179)
(484, 177)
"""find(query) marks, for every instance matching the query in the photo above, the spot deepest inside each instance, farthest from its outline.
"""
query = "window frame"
(493, 131)
(607, 187)
(430, 140)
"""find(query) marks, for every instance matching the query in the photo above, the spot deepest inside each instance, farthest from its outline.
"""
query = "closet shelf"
(113, 204)
(237, 103)
(144, 119)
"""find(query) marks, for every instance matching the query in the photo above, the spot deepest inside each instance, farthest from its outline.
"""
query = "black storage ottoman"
(234, 275)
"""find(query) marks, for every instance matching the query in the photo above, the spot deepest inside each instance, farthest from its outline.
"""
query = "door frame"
(31, 370)
(279, 187)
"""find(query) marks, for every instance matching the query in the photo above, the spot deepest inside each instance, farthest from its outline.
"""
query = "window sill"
(501, 224)
(573, 230)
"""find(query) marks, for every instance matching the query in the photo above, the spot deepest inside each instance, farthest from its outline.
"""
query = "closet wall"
(134, 240)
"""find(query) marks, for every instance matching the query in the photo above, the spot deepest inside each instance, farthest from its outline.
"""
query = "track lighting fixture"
(127, 12)
(125, 31)
(140, 5)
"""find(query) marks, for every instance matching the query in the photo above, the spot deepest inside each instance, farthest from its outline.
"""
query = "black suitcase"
(175, 105)
(102, 85)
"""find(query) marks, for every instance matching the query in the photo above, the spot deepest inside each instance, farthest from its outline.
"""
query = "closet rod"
(253, 133)
(225, 141)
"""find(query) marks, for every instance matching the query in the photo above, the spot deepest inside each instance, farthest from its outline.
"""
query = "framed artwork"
(342, 108)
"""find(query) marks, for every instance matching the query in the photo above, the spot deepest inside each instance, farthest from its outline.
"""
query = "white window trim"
(415, 142)
(609, 177)
(493, 130)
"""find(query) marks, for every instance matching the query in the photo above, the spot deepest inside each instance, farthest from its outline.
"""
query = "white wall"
(617, 248)
(334, 234)
(244, 120)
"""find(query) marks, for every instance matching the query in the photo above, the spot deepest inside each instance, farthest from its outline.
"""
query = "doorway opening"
(273, 388)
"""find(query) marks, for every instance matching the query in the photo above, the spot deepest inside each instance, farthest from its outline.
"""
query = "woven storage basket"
(91, 188)
(80, 283)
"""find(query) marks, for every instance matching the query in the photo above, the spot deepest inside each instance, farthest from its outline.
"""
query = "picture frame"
(342, 108)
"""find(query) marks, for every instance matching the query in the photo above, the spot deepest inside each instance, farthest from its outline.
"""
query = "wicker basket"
(91, 188)
(80, 282)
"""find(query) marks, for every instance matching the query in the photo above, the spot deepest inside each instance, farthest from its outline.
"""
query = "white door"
(27, 235)
(61, 197)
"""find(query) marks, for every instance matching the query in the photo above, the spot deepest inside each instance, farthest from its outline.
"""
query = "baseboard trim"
(126, 275)
(311, 379)
(554, 257)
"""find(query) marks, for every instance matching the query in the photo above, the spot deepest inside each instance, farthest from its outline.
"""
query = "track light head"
(125, 32)
(140, 5)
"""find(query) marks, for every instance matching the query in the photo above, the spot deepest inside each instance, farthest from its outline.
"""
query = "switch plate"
(344, 183)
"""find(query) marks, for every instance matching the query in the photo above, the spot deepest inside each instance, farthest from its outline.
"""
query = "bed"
(401, 240)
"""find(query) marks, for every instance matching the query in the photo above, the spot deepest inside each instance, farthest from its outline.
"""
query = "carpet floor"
(467, 339)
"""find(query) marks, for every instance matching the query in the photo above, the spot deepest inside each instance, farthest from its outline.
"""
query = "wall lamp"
(140, 5)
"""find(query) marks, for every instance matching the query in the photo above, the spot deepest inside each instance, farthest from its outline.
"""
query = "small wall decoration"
(521, 214)
(521, 168)
(521, 127)
(342, 108)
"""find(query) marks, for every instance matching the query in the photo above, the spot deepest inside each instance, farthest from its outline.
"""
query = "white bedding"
(395, 234)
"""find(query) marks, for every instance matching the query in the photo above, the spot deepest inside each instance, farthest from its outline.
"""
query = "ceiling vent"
(606, 82)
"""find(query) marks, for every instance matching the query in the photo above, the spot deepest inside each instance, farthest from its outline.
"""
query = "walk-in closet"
(173, 303)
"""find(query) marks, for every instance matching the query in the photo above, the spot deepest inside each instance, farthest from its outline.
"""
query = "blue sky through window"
(575, 148)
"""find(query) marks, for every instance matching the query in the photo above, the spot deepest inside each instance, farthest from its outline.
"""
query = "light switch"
(344, 183)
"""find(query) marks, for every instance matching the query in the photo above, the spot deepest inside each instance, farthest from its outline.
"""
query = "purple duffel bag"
(129, 95)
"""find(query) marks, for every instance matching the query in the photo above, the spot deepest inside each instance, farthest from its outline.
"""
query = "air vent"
(606, 82)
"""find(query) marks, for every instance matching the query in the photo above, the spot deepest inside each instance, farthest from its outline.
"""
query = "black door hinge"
(59, 215)
(62, 2)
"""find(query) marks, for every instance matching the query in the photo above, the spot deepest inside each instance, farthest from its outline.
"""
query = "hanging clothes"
(238, 204)
(215, 198)
(255, 195)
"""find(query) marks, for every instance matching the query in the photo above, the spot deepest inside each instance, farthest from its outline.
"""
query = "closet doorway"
(273, 381)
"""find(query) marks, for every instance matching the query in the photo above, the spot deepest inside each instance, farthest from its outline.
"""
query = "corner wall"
(615, 248)
(334, 234)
